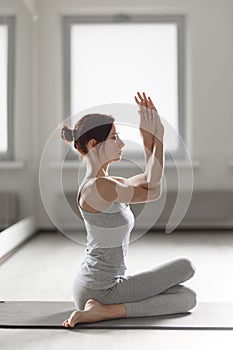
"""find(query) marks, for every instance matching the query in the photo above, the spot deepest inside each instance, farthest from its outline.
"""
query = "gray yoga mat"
(51, 314)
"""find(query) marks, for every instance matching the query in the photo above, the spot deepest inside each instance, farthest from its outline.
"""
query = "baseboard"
(15, 235)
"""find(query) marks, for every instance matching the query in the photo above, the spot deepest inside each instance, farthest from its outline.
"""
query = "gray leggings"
(150, 293)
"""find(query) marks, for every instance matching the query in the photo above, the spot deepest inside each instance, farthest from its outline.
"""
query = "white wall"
(39, 89)
(17, 178)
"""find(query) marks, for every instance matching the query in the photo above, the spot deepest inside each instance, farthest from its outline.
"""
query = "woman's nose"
(122, 143)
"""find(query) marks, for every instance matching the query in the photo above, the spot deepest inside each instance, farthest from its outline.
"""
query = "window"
(107, 59)
(6, 86)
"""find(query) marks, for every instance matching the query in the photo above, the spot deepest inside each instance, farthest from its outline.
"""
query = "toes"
(71, 322)
(66, 323)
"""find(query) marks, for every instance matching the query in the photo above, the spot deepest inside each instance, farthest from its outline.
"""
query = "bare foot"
(95, 311)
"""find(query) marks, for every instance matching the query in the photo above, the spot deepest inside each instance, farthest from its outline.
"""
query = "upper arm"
(112, 190)
(138, 180)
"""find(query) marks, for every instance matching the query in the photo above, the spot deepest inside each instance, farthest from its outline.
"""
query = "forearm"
(154, 158)
(155, 163)
(149, 145)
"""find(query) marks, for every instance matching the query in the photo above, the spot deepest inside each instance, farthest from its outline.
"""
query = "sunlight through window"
(3, 87)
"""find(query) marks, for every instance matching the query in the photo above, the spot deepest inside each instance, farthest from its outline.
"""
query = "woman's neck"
(93, 171)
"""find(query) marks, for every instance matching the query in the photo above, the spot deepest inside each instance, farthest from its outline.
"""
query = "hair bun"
(67, 134)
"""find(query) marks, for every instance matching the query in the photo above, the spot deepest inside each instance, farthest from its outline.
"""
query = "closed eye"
(115, 136)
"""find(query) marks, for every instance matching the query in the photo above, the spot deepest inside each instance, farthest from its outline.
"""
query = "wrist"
(158, 137)
(159, 132)
(148, 143)
(148, 147)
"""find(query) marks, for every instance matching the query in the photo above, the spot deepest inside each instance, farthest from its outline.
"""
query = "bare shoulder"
(110, 182)
(102, 183)
(106, 187)
(93, 196)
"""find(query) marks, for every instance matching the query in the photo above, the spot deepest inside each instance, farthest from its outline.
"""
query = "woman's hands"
(152, 132)
(150, 124)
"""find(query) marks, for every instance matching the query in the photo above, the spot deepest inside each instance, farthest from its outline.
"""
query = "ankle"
(115, 310)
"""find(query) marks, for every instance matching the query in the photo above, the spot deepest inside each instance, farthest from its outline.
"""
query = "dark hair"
(91, 126)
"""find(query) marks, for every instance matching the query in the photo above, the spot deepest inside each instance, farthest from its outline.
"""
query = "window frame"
(178, 20)
(9, 21)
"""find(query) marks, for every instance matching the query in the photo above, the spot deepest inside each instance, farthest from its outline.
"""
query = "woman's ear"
(91, 143)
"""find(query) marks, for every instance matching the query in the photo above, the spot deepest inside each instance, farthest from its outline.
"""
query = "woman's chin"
(116, 159)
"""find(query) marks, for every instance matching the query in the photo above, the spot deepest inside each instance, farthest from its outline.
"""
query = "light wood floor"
(43, 269)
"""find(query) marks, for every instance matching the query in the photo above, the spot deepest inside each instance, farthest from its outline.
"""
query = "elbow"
(159, 191)
(156, 192)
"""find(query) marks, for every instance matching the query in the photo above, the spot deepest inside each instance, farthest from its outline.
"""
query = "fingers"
(142, 100)
(149, 113)
(137, 101)
(140, 97)
(151, 104)
(149, 117)
(146, 100)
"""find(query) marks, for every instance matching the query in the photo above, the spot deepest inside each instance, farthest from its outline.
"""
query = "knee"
(188, 267)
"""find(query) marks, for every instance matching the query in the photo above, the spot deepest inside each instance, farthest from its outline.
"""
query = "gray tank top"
(108, 234)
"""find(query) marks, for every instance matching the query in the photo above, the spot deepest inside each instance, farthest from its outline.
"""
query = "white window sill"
(73, 164)
(12, 165)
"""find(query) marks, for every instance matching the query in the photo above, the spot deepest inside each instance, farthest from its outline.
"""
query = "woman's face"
(113, 145)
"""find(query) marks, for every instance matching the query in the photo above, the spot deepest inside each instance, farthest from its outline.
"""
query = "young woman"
(101, 288)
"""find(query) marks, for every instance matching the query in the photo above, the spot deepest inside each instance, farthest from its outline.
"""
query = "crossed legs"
(150, 293)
